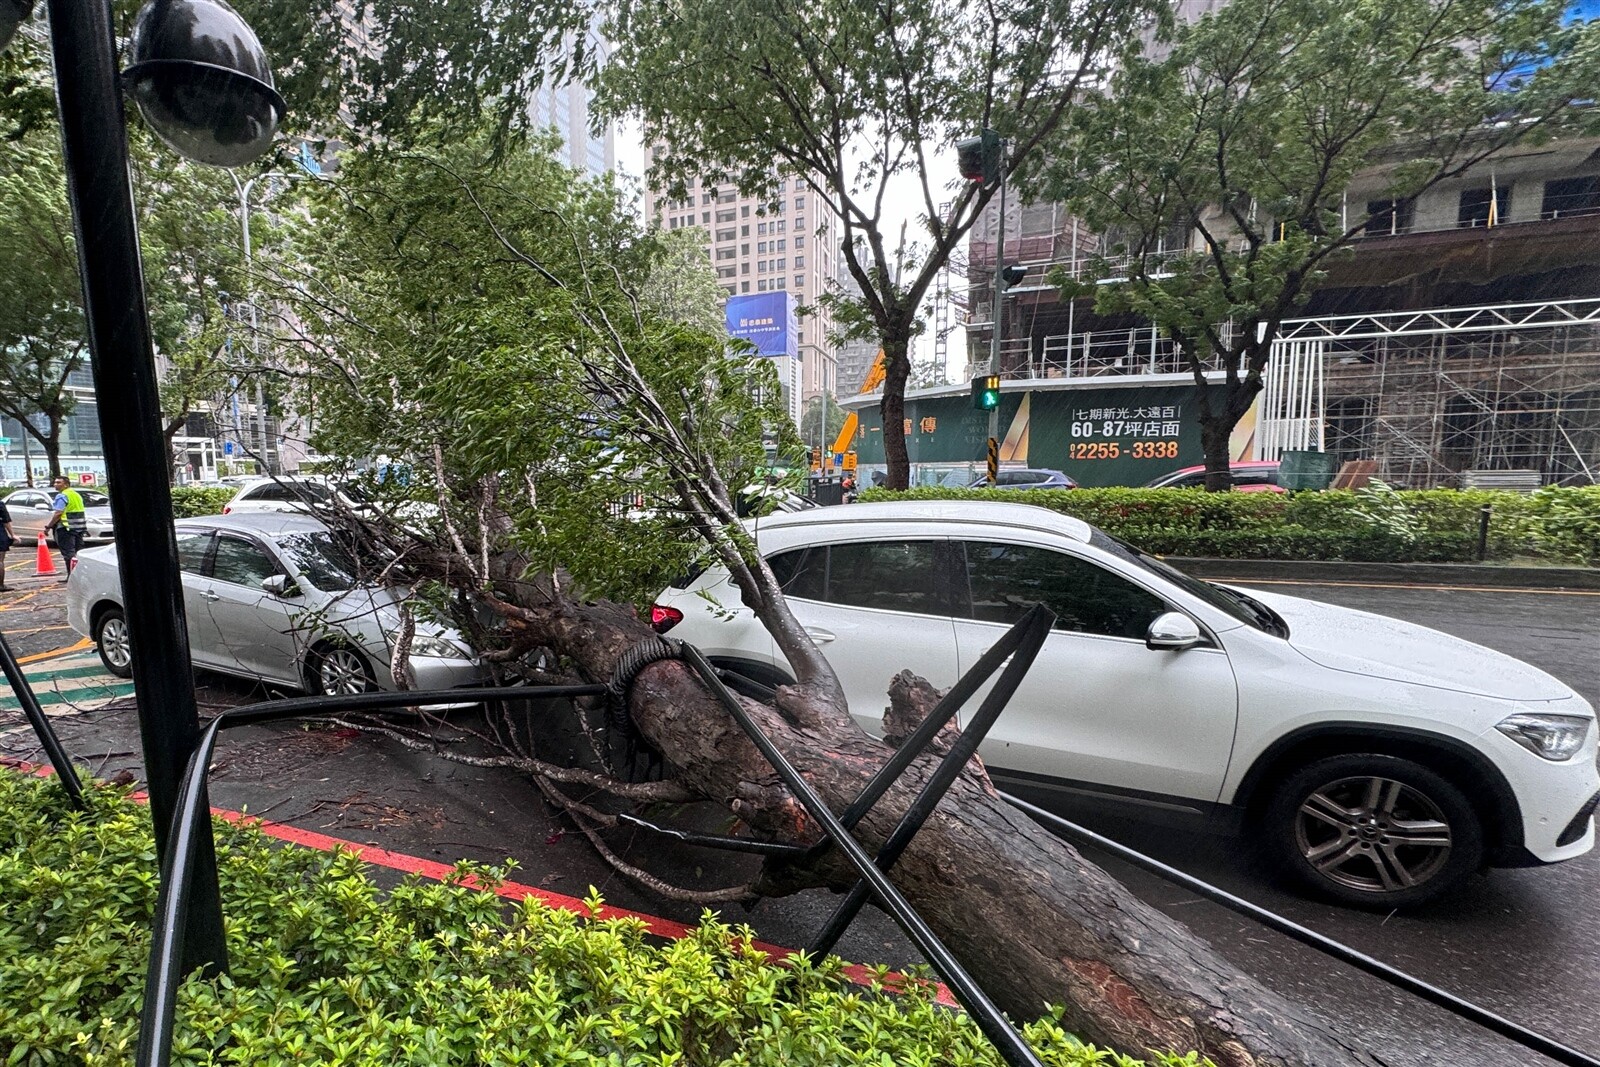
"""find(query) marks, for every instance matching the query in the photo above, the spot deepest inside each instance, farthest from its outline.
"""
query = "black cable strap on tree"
(621, 726)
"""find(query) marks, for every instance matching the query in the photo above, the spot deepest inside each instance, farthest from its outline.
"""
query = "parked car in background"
(1026, 478)
(1378, 762)
(30, 510)
(275, 597)
(293, 493)
(1249, 476)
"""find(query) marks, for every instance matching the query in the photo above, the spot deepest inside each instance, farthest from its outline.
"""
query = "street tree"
(1246, 137)
(864, 104)
(821, 420)
(42, 339)
(483, 322)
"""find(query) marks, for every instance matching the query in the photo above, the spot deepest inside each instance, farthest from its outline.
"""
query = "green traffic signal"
(986, 392)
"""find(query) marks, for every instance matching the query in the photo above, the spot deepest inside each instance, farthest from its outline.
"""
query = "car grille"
(1580, 822)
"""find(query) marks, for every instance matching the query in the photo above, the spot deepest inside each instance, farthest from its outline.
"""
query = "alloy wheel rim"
(114, 642)
(1373, 835)
(341, 673)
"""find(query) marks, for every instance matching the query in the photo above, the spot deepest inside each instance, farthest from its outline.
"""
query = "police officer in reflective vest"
(69, 522)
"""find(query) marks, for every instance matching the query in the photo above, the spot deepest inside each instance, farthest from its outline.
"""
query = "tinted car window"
(1006, 580)
(268, 491)
(1255, 476)
(890, 575)
(242, 562)
(802, 573)
(192, 545)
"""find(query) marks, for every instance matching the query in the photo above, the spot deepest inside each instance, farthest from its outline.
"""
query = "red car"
(1255, 476)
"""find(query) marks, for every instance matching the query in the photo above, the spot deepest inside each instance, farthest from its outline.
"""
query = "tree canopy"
(1241, 143)
(860, 102)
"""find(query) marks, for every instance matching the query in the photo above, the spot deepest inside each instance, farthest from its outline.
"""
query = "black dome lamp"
(13, 13)
(202, 82)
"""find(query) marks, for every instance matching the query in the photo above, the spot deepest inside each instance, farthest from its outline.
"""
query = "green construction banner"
(1124, 435)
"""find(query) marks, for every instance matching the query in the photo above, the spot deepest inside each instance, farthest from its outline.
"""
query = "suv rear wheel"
(1373, 830)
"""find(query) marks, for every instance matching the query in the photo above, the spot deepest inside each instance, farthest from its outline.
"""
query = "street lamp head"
(13, 13)
(202, 81)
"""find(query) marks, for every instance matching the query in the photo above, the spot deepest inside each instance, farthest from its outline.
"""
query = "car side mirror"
(41, 507)
(1172, 631)
(279, 585)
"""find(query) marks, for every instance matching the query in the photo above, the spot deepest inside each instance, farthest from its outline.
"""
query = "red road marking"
(399, 861)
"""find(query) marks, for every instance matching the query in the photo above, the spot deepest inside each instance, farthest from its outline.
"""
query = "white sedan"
(276, 597)
(1380, 762)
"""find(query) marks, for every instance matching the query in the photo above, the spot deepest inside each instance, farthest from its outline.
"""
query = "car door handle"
(819, 635)
(211, 595)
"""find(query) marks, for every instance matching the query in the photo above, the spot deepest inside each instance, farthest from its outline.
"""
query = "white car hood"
(1360, 642)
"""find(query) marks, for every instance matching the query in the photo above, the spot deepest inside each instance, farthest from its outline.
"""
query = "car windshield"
(320, 560)
(93, 498)
(1242, 606)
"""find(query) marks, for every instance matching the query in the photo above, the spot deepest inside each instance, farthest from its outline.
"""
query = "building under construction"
(1461, 334)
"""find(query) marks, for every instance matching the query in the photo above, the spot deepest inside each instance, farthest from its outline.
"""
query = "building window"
(706, 198)
(744, 268)
(725, 272)
(1565, 197)
(744, 231)
(727, 197)
(781, 185)
(1388, 217)
(725, 235)
(1483, 207)
(799, 281)
(761, 248)
(761, 286)
(744, 249)
(799, 261)
(725, 253)
(799, 203)
(728, 289)
(778, 282)
(799, 242)
(705, 217)
(725, 216)
(782, 243)
(780, 265)
(761, 229)
(744, 212)
(780, 224)
(799, 224)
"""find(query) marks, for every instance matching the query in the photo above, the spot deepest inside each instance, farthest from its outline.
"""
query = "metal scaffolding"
(1430, 394)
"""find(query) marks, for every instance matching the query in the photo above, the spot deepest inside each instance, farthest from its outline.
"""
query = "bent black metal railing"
(1455, 1005)
(1025, 639)
(41, 725)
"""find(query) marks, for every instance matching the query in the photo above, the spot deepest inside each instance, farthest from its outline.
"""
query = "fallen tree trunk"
(1032, 921)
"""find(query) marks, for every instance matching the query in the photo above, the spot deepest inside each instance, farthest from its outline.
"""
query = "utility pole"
(992, 464)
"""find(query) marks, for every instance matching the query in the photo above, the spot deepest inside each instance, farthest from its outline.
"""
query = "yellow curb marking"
(82, 645)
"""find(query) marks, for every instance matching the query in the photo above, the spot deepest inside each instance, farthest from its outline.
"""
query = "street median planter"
(328, 968)
(1374, 525)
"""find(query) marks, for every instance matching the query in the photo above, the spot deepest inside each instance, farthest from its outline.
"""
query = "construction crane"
(847, 432)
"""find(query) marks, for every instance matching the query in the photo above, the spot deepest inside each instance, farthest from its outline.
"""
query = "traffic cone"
(46, 564)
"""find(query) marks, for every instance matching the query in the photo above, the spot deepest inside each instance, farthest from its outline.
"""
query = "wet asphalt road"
(1522, 943)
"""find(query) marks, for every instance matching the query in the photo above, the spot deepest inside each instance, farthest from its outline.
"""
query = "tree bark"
(892, 410)
(1033, 921)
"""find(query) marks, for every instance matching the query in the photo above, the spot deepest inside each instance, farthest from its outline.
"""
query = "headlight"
(436, 647)
(1551, 737)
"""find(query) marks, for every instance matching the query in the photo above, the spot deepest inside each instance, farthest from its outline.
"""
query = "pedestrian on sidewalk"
(68, 520)
(7, 539)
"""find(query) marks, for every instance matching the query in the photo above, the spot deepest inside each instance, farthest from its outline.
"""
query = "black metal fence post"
(95, 146)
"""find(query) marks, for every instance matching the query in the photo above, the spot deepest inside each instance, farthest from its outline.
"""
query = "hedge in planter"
(326, 969)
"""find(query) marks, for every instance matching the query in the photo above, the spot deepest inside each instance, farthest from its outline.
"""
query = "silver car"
(30, 509)
(275, 597)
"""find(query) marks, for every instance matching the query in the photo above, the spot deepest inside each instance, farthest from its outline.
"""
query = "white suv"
(1380, 762)
(290, 493)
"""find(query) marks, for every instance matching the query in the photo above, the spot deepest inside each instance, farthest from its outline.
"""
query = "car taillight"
(663, 618)
(227, 508)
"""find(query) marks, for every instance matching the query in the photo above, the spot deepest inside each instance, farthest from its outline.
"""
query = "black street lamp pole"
(95, 144)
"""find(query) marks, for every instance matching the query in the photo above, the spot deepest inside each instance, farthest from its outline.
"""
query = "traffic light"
(986, 392)
(1013, 274)
(816, 458)
(978, 158)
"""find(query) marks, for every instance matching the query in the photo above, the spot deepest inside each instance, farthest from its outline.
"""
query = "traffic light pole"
(993, 465)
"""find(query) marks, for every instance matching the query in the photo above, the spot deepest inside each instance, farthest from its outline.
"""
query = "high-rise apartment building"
(566, 108)
(786, 245)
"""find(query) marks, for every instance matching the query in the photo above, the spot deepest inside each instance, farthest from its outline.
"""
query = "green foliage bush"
(328, 969)
(191, 500)
(1377, 524)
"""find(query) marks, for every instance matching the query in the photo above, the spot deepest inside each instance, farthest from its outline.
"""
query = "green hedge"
(328, 969)
(189, 500)
(1375, 525)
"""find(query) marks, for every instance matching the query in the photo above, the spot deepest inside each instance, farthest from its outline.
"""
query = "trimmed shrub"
(191, 500)
(328, 969)
(1376, 524)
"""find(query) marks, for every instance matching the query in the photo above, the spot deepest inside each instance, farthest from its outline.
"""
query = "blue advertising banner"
(766, 320)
